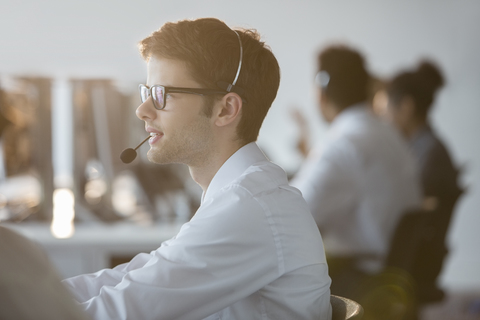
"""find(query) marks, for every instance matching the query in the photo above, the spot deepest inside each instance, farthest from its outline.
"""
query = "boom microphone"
(129, 154)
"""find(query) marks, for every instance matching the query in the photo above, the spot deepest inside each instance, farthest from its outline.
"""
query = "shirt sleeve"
(327, 181)
(84, 287)
(212, 263)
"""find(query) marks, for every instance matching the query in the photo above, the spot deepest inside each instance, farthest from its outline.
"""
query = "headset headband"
(241, 59)
(231, 87)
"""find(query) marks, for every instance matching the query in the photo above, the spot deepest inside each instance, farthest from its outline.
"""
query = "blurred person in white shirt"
(252, 250)
(361, 178)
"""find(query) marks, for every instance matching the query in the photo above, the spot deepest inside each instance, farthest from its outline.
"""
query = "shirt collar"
(353, 110)
(234, 167)
(349, 115)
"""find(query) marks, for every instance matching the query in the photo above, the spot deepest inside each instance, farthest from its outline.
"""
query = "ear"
(327, 109)
(230, 110)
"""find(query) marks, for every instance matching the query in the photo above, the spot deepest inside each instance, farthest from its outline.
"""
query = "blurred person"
(360, 179)
(411, 95)
(252, 249)
(410, 98)
(29, 284)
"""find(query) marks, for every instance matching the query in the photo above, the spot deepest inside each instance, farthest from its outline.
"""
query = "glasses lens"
(157, 95)
(143, 93)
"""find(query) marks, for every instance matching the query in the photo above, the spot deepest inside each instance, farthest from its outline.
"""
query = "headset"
(232, 87)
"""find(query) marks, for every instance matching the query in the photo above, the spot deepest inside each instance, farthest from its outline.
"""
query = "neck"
(412, 128)
(329, 112)
(204, 172)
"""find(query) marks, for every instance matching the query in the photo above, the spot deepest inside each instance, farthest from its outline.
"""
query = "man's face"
(181, 132)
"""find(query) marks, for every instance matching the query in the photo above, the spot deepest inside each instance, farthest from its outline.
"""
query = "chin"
(162, 157)
(156, 157)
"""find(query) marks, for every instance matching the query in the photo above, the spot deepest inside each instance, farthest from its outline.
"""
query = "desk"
(94, 246)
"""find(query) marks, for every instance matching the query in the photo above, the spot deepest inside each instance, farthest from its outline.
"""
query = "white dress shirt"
(357, 183)
(251, 251)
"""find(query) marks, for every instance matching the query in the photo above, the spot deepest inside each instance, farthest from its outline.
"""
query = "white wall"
(97, 38)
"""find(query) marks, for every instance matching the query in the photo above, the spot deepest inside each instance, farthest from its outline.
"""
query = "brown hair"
(420, 84)
(212, 52)
(349, 80)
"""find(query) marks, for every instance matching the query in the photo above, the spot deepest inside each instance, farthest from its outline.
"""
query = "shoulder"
(261, 184)
(430, 150)
(363, 135)
(259, 210)
(261, 177)
(261, 187)
(12, 243)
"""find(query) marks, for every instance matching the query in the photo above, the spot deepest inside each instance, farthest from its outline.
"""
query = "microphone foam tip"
(128, 155)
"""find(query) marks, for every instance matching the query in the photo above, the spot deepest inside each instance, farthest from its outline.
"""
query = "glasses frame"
(166, 90)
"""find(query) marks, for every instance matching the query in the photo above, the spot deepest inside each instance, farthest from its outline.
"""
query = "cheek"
(400, 120)
(401, 117)
(392, 114)
(388, 114)
(380, 104)
(183, 124)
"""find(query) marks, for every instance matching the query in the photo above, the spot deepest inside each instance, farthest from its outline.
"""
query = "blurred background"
(69, 72)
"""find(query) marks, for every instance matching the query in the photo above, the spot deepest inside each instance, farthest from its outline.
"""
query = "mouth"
(154, 137)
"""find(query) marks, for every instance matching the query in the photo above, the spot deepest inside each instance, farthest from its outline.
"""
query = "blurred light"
(125, 203)
(63, 213)
(20, 196)
(124, 199)
(94, 190)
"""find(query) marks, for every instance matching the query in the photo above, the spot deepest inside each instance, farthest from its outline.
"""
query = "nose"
(146, 111)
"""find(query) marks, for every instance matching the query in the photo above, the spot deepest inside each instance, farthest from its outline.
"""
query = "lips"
(155, 135)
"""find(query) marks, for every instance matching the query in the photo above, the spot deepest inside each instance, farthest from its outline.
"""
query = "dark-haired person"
(361, 178)
(252, 250)
(410, 98)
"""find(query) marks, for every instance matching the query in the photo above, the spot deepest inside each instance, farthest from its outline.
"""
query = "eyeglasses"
(159, 93)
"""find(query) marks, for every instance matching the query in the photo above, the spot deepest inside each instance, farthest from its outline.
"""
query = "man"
(361, 179)
(252, 250)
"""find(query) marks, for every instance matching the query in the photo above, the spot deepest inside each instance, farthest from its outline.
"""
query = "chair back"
(345, 309)
(418, 247)
(409, 237)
